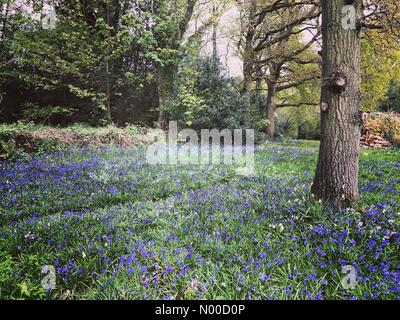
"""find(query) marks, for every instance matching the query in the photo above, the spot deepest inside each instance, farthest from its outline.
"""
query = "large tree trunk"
(336, 178)
(270, 110)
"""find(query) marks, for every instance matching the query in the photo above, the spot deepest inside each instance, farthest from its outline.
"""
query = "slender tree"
(286, 66)
(172, 19)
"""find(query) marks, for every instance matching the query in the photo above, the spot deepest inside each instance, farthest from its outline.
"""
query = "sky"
(225, 44)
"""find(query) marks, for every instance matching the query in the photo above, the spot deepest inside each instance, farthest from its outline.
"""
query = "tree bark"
(336, 178)
(4, 20)
(108, 93)
(161, 99)
(248, 62)
(272, 83)
(270, 109)
(163, 80)
(214, 31)
(248, 66)
(108, 81)
(246, 90)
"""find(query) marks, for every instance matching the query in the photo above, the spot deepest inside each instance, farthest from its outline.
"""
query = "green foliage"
(302, 122)
(299, 122)
(133, 130)
(43, 114)
(379, 65)
(8, 144)
(6, 267)
(108, 53)
(96, 53)
(203, 97)
(7, 148)
(391, 100)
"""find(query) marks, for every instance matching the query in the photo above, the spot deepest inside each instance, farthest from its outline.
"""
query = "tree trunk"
(214, 32)
(336, 178)
(270, 110)
(4, 21)
(108, 82)
(160, 90)
(248, 66)
(246, 91)
(272, 83)
(108, 93)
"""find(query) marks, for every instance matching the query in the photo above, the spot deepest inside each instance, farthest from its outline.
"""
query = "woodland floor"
(115, 227)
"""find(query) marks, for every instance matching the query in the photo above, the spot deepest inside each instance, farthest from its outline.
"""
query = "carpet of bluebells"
(115, 227)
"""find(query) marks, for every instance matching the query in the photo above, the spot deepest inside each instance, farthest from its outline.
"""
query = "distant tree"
(203, 96)
(391, 101)
(272, 48)
(171, 20)
(287, 66)
(95, 52)
(380, 62)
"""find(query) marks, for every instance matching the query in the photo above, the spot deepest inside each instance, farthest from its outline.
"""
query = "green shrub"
(300, 123)
(133, 130)
(6, 267)
(44, 114)
(391, 102)
(204, 97)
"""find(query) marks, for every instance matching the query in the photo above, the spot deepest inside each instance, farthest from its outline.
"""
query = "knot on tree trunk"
(324, 106)
(364, 116)
(336, 81)
(360, 117)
